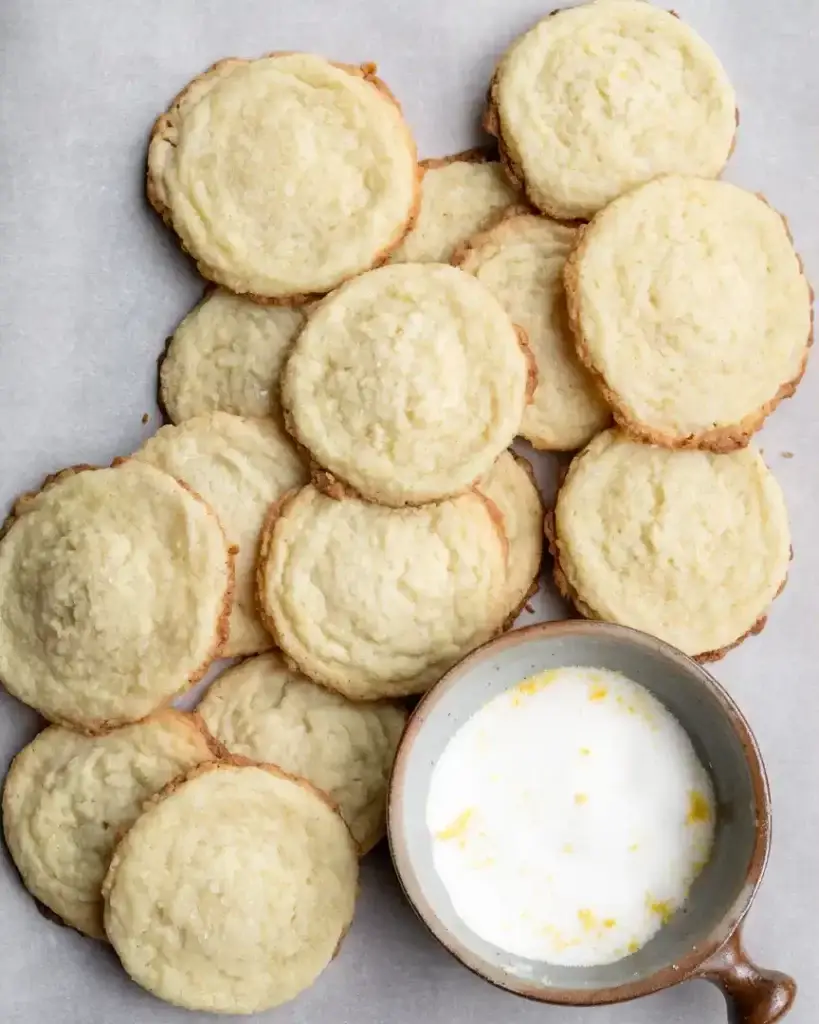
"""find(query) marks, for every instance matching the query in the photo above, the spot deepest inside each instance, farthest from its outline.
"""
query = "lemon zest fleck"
(609, 922)
(598, 693)
(699, 809)
(457, 827)
(662, 908)
(580, 798)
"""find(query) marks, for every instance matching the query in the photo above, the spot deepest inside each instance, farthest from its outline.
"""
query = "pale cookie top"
(240, 467)
(67, 797)
(407, 383)
(690, 305)
(268, 712)
(380, 602)
(602, 97)
(285, 175)
(114, 592)
(690, 546)
(521, 261)
(510, 484)
(226, 356)
(232, 892)
(460, 195)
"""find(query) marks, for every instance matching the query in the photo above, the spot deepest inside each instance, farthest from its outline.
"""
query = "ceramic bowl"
(702, 940)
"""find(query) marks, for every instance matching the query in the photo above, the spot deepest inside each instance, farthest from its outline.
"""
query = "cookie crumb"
(145, 418)
(786, 455)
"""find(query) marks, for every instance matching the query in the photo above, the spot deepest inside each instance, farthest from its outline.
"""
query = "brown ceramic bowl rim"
(689, 966)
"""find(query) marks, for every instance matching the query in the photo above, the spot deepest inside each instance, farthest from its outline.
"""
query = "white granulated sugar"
(569, 817)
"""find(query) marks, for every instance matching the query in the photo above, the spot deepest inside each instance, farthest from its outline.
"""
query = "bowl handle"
(754, 996)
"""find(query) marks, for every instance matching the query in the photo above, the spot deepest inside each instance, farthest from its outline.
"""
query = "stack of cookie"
(334, 497)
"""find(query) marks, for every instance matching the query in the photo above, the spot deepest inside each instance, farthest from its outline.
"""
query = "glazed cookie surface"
(286, 175)
(521, 261)
(67, 797)
(690, 306)
(240, 466)
(232, 892)
(510, 484)
(690, 546)
(226, 356)
(407, 383)
(460, 195)
(115, 588)
(263, 710)
(379, 602)
(599, 98)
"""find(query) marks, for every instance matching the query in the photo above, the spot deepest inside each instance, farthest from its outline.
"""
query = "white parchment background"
(90, 286)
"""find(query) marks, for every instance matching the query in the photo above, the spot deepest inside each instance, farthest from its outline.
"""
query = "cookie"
(67, 797)
(226, 356)
(690, 306)
(460, 195)
(286, 175)
(597, 99)
(521, 261)
(407, 383)
(379, 602)
(510, 484)
(233, 891)
(690, 546)
(240, 466)
(268, 712)
(115, 588)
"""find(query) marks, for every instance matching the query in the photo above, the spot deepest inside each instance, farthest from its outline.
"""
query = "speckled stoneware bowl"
(700, 941)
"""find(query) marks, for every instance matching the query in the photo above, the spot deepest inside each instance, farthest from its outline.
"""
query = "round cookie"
(115, 588)
(226, 356)
(521, 261)
(407, 383)
(510, 484)
(240, 466)
(597, 99)
(460, 195)
(268, 712)
(233, 891)
(379, 602)
(286, 175)
(690, 546)
(67, 797)
(690, 306)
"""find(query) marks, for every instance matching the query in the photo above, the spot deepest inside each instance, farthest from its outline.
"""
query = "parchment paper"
(91, 284)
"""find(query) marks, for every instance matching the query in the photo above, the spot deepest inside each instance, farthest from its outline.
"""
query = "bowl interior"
(719, 734)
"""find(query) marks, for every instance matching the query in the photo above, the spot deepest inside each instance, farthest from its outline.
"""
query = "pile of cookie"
(334, 498)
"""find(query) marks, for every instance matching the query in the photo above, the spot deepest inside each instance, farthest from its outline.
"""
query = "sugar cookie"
(68, 796)
(599, 98)
(521, 261)
(407, 383)
(380, 602)
(688, 545)
(286, 175)
(689, 304)
(232, 892)
(460, 195)
(240, 466)
(115, 588)
(226, 356)
(268, 712)
(510, 484)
